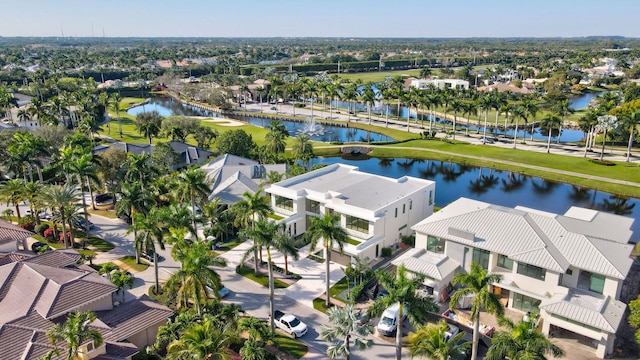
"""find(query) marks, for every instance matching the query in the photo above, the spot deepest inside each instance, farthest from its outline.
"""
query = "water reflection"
(504, 188)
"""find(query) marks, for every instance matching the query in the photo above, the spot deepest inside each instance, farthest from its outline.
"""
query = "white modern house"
(424, 84)
(567, 268)
(376, 211)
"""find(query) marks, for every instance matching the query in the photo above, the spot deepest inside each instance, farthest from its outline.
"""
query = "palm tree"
(486, 103)
(507, 110)
(59, 197)
(121, 279)
(146, 232)
(114, 102)
(531, 109)
(563, 108)
(203, 341)
(518, 113)
(521, 341)
(587, 124)
(249, 210)
(302, 148)
(401, 289)
(195, 275)
(74, 332)
(606, 123)
(286, 245)
(192, 184)
(431, 342)
(346, 323)
(332, 234)
(134, 200)
(149, 124)
(456, 106)
(471, 108)
(139, 168)
(259, 335)
(550, 121)
(631, 120)
(276, 140)
(477, 283)
(107, 268)
(265, 235)
(12, 191)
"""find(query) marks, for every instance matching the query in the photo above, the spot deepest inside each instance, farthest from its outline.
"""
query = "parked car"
(388, 325)
(103, 199)
(274, 108)
(452, 331)
(223, 292)
(149, 256)
(81, 223)
(487, 140)
(290, 324)
(40, 247)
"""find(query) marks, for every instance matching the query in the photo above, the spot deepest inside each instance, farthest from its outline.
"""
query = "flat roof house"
(568, 268)
(376, 211)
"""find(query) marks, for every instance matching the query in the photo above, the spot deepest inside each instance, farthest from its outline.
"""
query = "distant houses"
(188, 155)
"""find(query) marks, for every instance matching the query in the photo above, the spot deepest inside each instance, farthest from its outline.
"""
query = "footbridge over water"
(354, 149)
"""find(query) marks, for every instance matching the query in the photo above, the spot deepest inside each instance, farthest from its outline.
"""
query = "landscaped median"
(263, 278)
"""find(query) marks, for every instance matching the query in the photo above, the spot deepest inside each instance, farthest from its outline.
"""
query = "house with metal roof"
(186, 155)
(232, 175)
(568, 268)
(376, 211)
(39, 291)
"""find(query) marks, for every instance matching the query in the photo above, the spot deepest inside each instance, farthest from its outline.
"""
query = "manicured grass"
(353, 241)
(99, 244)
(274, 216)
(130, 261)
(55, 245)
(229, 245)
(106, 213)
(318, 304)
(290, 346)
(262, 279)
(338, 287)
(85, 252)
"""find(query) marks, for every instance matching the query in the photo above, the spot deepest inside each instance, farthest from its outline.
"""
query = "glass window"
(525, 303)
(569, 272)
(404, 208)
(481, 257)
(435, 244)
(531, 271)
(410, 204)
(430, 197)
(357, 224)
(597, 283)
(313, 206)
(284, 203)
(505, 262)
(396, 212)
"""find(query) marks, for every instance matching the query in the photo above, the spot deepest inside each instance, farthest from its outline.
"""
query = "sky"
(322, 18)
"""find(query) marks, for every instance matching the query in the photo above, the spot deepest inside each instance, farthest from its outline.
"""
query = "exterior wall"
(571, 281)
(612, 287)
(146, 337)
(603, 339)
(104, 303)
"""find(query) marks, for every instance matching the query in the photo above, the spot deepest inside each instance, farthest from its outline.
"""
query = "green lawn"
(290, 346)
(229, 245)
(318, 304)
(131, 262)
(353, 241)
(106, 213)
(262, 279)
(100, 244)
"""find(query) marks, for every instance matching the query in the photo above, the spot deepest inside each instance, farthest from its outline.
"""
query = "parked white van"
(388, 321)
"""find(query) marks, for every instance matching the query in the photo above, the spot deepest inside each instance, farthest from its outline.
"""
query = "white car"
(290, 324)
(452, 331)
(388, 325)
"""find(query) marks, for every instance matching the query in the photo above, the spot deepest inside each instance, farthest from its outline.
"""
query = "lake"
(498, 187)
(166, 106)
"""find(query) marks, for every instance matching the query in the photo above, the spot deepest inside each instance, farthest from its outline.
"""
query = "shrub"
(48, 233)
(40, 229)
(409, 240)
(27, 225)
(386, 252)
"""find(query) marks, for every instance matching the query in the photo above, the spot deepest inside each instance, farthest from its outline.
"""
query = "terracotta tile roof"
(8, 258)
(119, 351)
(12, 233)
(132, 317)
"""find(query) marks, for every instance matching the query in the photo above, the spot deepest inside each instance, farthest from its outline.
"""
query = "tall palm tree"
(12, 191)
(507, 110)
(303, 149)
(486, 103)
(276, 141)
(456, 106)
(74, 332)
(114, 103)
(248, 211)
(587, 124)
(332, 234)
(562, 108)
(202, 341)
(134, 200)
(265, 236)
(346, 323)
(477, 283)
(401, 289)
(190, 282)
(192, 185)
(531, 109)
(121, 279)
(606, 123)
(550, 121)
(58, 197)
(631, 120)
(259, 335)
(471, 108)
(139, 168)
(149, 124)
(521, 341)
(518, 113)
(431, 342)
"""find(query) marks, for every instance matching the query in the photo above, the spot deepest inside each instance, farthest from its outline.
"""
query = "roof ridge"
(553, 251)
